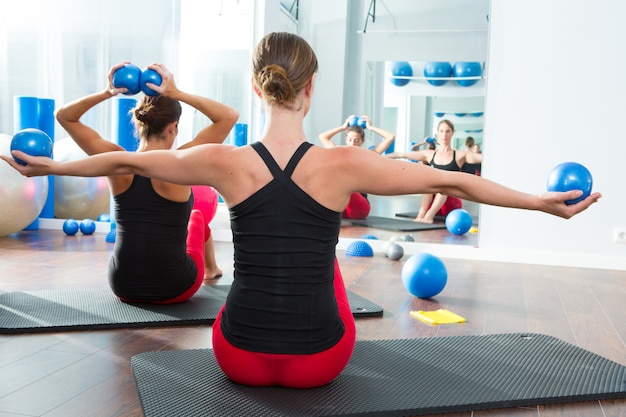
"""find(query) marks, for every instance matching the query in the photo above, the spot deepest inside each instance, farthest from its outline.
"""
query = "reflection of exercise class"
(309, 208)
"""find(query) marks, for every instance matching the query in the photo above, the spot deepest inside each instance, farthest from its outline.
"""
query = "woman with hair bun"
(163, 249)
(287, 320)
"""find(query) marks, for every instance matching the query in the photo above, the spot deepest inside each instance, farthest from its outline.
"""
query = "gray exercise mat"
(92, 309)
(404, 377)
(386, 223)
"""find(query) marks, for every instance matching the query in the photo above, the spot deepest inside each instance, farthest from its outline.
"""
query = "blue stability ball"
(127, 77)
(569, 176)
(87, 226)
(437, 69)
(458, 221)
(70, 227)
(359, 248)
(33, 142)
(401, 69)
(467, 69)
(424, 275)
(149, 76)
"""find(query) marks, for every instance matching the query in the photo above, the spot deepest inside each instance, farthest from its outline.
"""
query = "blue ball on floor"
(458, 221)
(359, 248)
(569, 176)
(424, 275)
(87, 226)
(33, 142)
(70, 227)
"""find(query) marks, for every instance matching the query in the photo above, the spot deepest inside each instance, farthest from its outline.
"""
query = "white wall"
(559, 67)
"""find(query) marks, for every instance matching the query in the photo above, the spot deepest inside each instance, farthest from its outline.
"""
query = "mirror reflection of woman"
(359, 206)
(444, 157)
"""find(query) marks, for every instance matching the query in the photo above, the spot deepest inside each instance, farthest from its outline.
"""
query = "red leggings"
(358, 207)
(289, 370)
(198, 232)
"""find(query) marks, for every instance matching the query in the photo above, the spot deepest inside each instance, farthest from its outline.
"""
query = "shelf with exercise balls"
(431, 78)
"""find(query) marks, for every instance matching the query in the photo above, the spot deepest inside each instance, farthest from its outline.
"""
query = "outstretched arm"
(421, 156)
(326, 136)
(197, 165)
(388, 137)
(386, 176)
(223, 117)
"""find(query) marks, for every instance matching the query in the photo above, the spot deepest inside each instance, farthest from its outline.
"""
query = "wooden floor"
(87, 373)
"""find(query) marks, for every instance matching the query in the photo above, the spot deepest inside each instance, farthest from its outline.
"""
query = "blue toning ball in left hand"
(569, 176)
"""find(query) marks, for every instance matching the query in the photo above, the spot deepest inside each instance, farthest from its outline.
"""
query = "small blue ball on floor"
(424, 275)
(33, 142)
(70, 227)
(458, 222)
(370, 237)
(359, 248)
(569, 176)
(87, 226)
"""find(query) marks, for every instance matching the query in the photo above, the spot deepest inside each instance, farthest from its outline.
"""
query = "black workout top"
(282, 299)
(149, 261)
(451, 166)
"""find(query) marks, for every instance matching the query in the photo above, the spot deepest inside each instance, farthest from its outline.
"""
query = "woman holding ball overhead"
(359, 206)
(287, 320)
(163, 248)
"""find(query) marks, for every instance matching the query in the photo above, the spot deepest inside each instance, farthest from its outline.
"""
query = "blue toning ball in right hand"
(33, 142)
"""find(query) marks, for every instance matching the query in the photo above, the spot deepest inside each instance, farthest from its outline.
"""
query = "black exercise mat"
(391, 378)
(386, 223)
(413, 214)
(91, 309)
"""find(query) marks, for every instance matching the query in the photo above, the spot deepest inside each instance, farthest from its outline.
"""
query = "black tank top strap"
(266, 156)
(271, 162)
(296, 157)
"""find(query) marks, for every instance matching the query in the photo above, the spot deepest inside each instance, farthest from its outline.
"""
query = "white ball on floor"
(21, 198)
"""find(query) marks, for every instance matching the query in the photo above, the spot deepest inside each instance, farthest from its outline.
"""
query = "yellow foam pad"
(440, 316)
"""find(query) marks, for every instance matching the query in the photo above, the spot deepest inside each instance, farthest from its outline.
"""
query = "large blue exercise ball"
(33, 142)
(569, 176)
(127, 77)
(434, 70)
(458, 221)
(424, 275)
(467, 69)
(400, 69)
